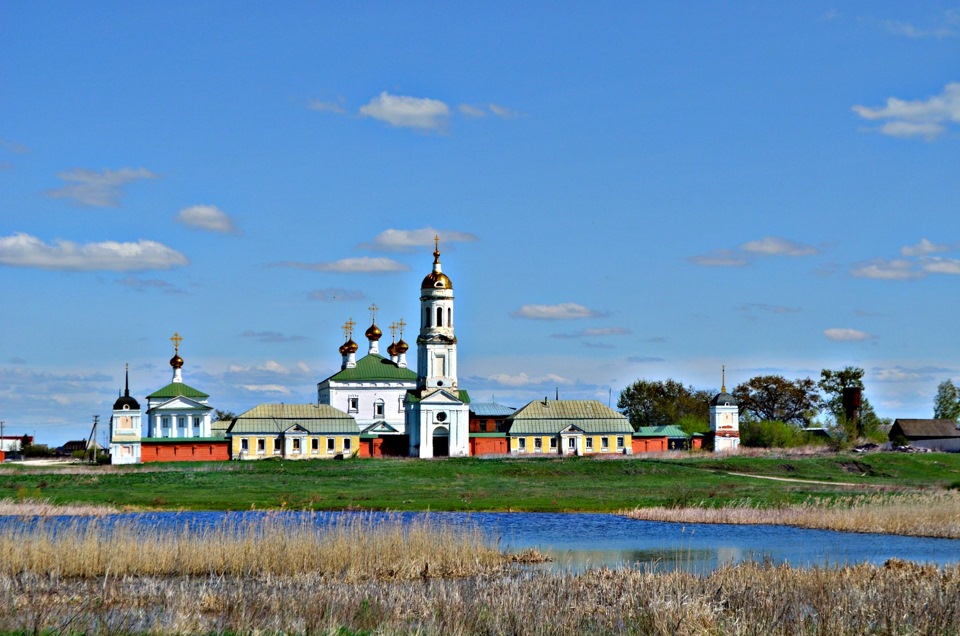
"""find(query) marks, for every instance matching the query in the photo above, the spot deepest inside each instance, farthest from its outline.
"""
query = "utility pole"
(2, 447)
(93, 439)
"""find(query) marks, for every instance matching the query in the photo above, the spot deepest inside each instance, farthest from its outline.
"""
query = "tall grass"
(354, 548)
(747, 599)
(42, 508)
(922, 514)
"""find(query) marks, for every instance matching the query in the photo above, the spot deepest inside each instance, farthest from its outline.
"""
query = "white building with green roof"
(178, 410)
(293, 431)
(569, 427)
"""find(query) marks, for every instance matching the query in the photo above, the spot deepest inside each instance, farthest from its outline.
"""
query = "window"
(589, 443)
(278, 446)
(346, 444)
(426, 316)
(400, 405)
(353, 404)
(553, 443)
(439, 316)
(197, 423)
(330, 445)
(604, 443)
(182, 422)
(296, 444)
(620, 442)
(261, 445)
(244, 445)
(537, 444)
(378, 408)
(315, 444)
(572, 443)
(165, 421)
(449, 316)
(522, 443)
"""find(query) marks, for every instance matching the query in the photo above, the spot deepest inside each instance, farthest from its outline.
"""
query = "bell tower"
(436, 343)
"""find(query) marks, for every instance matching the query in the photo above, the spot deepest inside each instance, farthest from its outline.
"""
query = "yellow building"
(293, 431)
(569, 427)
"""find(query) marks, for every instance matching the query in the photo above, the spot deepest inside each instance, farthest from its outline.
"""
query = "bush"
(38, 450)
(772, 434)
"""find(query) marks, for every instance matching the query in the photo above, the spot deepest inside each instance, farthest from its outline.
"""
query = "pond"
(577, 541)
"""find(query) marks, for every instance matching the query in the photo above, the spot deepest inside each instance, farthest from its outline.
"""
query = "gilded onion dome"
(373, 333)
(392, 349)
(348, 347)
(436, 279)
(176, 361)
(402, 347)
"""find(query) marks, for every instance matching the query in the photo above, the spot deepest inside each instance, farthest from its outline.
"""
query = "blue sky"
(629, 190)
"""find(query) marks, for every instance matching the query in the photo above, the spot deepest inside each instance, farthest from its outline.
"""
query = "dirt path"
(809, 481)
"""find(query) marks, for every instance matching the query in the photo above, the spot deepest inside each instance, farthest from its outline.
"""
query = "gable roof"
(277, 418)
(926, 428)
(669, 430)
(373, 367)
(553, 416)
(177, 389)
(490, 409)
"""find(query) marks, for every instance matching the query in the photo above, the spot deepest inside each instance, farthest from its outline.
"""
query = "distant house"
(489, 417)
(662, 438)
(568, 427)
(939, 435)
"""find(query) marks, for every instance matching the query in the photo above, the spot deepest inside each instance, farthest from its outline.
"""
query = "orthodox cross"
(348, 328)
(373, 313)
(393, 331)
(400, 326)
(176, 339)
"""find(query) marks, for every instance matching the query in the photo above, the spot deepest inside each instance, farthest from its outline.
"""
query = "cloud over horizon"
(927, 118)
(98, 189)
(562, 311)
(847, 335)
(407, 112)
(207, 217)
(354, 265)
(409, 240)
(24, 250)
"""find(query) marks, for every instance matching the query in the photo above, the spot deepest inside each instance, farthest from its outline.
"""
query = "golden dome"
(348, 347)
(402, 347)
(436, 280)
(176, 362)
(373, 333)
(392, 349)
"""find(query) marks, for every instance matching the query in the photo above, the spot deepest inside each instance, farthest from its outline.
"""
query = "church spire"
(176, 361)
(723, 380)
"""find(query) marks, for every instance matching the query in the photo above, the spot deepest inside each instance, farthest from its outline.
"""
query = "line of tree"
(763, 398)
(946, 404)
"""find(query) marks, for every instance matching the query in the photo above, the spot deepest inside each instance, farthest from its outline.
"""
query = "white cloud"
(563, 311)
(911, 31)
(775, 246)
(407, 112)
(721, 258)
(501, 111)
(23, 250)
(919, 118)
(923, 248)
(207, 217)
(356, 265)
(939, 265)
(522, 379)
(335, 294)
(98, 189)
(884, 269)
(472, 111)
(592, 333)
(846, 335)
(774, 309)
(155, 284)
(407, 240)
(275, 389)
(328, 107)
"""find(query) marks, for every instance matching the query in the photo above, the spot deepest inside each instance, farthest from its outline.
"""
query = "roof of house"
(373, 367)
(553, 416)
(669, 430)
(219, 427)
(927, 428)
(177, 389)
(462, 395)
(490, 409)
(277, 418)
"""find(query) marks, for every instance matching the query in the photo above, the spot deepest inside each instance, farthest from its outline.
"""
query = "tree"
(832, 383)
(657, 403)
(947, 403)
(774, 398)
(223, 416)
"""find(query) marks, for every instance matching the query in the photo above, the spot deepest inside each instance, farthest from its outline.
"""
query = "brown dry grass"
(747, 599)
(42, 508)
(919, 514)
(353, 549)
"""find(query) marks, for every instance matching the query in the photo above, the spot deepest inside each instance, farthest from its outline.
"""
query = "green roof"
(177, 389)
(373, 367)
(670, 430)
(552, 416)
(277, 418)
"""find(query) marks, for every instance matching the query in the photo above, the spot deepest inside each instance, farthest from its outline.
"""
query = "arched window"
(439, 316)
(426, 316)
(449, 316)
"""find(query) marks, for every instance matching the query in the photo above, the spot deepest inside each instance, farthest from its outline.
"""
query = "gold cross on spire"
(176, 339)
(400, 326)
(436, 242)
(373, 313)
(393, 331)
(348, 328)
(723, 381)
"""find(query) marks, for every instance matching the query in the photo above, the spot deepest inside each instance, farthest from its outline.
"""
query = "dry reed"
(746, 599)
(919, 514)
(352, 549)
(43, 508)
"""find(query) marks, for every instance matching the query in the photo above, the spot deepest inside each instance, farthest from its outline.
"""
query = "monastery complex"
(377, 406)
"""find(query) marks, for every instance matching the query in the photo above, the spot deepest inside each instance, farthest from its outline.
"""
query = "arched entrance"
(441, 442)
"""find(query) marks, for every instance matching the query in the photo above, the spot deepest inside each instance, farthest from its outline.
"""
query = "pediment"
(296, 429)
(379, 427)
(441, 397)
(572, 429)
(181, 403)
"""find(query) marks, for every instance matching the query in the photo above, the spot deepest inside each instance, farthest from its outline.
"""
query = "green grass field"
(527, 484)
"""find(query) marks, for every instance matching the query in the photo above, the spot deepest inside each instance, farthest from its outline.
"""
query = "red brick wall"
(488, 446)
(3, 455)
(185, 452)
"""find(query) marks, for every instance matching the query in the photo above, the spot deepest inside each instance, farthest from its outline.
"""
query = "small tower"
(176, 361)
(436, 344)
(349, 348)
(373, 334)
(125, 431)
(724, 419)
(402, 346)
